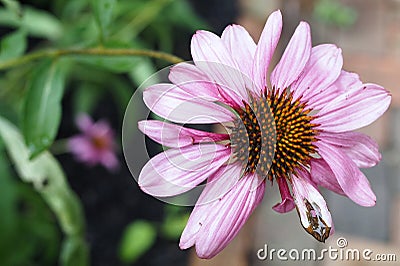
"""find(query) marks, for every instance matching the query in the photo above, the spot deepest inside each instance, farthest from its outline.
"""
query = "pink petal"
(213, 58)
(241, 46)
(344, 83)
(212, 226)
(322, 175)
(321, 71)
(354, 109)
(174, 104)
(192, 80)
(287, 203)
(176, 171)
(83, 149)
(362, 149)
(109, 160)
(176, 136)
(304, 192)
(294, 59)
(353, 182)
(84, 122)
(265, 50)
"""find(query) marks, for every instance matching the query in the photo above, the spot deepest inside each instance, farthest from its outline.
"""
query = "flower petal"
(241, 46)
(294, 59)
(311, 206)
(287, 203)
(176, 136)
(213, 58)
(354, 109)
(353, 182)
(212, 226)
(265, 50)
(322, 175)
(174, 104)
(362, 149)
(321, 71)
(344, 83)
(192, 80)
(84, 122)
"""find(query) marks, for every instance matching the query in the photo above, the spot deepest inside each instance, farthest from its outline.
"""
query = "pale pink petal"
(241, 46)
(354, 109)
(322, 175)
(174, 104)
(109, 160)
(176, 171)
(294, 59)
(287, 203)
(345, 82)
(175, 136)
(84, 122)
(192, 80)
(213, 58)
(212, 226)
(362, 149)
(321, 71)
(353, 182)
(265, 50)
(305, 193)
(83, 149)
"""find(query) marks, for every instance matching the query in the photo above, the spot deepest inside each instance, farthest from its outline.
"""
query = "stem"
(90, 51)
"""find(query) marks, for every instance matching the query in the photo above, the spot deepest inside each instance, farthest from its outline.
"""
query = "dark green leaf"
(103, 11)
(137, 238)
(13, 45)
(42, 108)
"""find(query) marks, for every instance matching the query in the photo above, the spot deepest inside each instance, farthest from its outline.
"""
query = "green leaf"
(74, 252)
(48, 179)
(36, 22)
(103, 11)
(173, 226)
(42, 108)
(13, 45)
(137, 238)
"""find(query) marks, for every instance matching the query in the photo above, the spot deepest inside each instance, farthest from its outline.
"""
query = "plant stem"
(90, 51)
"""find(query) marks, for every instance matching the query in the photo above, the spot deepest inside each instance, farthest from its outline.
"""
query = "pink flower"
(295, 127)
(96, 143)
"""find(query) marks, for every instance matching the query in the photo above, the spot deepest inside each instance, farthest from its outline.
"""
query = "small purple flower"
(96, 143)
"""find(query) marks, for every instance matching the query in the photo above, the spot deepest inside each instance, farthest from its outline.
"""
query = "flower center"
(274, 135)
(100, 142)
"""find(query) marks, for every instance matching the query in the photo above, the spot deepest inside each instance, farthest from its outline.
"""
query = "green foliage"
(43, 98)
(137, 238)
(48, 179)
(44, 54)
(334, 13)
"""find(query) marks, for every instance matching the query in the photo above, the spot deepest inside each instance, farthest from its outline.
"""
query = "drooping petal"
(193, 81)
(265, 50)
(322, 175)
(354, 109)
(362, 149)
(294, 59)
(109, 160)
(321, 71)
(311, 206)
(174, 104)
(212, 226)
(213, 58)
(287, 203)
(176, 171)
(353, 182)
(176, 136)
(241, 46)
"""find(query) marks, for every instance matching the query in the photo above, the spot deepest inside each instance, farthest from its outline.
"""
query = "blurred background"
(56, 210)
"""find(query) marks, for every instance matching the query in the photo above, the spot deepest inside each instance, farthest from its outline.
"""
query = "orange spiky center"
(274, 135)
